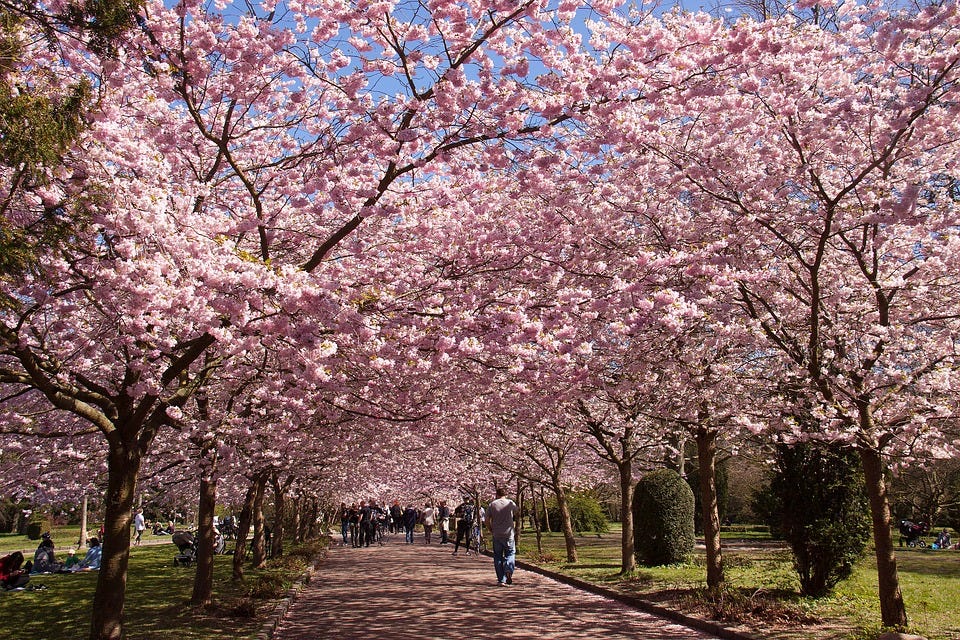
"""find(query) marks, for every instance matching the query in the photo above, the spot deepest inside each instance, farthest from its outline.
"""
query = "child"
(72, 560)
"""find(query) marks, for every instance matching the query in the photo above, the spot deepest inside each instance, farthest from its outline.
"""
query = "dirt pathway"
(419, 592)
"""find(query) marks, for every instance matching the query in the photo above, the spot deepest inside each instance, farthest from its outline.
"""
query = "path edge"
(273, 621)
(280, 609)
(641, 604)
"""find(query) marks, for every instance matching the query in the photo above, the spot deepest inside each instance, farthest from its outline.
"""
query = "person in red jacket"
(12, 576)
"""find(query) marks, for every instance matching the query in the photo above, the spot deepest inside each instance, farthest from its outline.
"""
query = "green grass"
(761, 582)
(63, 537)
(156, 601)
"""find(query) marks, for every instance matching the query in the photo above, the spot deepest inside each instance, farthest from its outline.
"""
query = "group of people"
(364, 523)
(943, 541)
(15, 573)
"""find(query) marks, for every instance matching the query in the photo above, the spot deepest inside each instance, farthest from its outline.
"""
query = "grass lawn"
(762, 594)
(157, 600)
(63, 538)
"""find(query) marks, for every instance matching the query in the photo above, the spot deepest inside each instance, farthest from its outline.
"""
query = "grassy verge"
(63, 537)
(157, 599)
(762, 590)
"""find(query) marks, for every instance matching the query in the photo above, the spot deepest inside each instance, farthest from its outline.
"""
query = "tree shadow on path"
(420, 591)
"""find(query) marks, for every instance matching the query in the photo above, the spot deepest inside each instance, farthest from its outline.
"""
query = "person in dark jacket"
(444, 518)
(44, 559)
(410, 517)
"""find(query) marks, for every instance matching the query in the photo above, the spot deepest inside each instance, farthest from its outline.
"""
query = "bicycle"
(380, 532)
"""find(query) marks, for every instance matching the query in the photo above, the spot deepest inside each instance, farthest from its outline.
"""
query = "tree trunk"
(546, 512)
(296, 520)
(707, 461)
(258, 550)
(82, 542)
(311, 523)
(893, 613)
(123, 466)
(518, 518)
(536, 521)
(203, 581)
(279, 513)
(628, 559)
(243, 528)
(566, 522)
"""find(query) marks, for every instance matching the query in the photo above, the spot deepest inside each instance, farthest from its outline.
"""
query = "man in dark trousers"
(464, 515)
(443, 517)
(365, 517)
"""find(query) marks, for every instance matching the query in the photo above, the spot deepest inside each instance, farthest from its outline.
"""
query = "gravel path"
(420, 591)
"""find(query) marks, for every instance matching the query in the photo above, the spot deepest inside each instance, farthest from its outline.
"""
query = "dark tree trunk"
(123, 465)
(893, 612)
(258, 550)
(518, 518)
(243, 528)
(536, 521)
(297, 518)
(279, 514)
(546, 512)
(566, 523)
(314, 519)
(203, 581)
(707, 461)
(628, 559)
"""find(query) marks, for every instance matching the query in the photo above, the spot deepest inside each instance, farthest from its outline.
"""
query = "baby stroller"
(187, 545)
(911, 532)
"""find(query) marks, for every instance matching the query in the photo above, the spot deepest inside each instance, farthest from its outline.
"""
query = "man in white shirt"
(139, 525)
(500, 517)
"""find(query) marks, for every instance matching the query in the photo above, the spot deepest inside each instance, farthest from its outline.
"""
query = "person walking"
(409, 522)
(376, 517)
(354, 525)
(464, 515)
(396, 517)
(139, 524)
(500, 517)
(429, 520)
(344, 514)
(366, 515)
(443, 515)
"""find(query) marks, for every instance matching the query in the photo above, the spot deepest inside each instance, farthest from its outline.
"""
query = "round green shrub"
(663, 508)
(34, 530)
(586, 513)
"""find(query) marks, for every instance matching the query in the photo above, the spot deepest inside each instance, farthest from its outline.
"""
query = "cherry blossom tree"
(218, 176)
(822, 161)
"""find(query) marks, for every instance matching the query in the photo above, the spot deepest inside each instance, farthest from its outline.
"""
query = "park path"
(422, 592)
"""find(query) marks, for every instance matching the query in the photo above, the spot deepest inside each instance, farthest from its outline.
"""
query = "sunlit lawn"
(930, 581)
(156, 604)
(63, 537)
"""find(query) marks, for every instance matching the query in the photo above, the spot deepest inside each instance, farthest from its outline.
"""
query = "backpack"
(468, 513)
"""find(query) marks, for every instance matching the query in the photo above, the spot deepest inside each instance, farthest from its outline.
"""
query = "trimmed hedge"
(663, 512)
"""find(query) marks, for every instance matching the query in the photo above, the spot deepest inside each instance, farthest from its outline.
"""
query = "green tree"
(823, 512)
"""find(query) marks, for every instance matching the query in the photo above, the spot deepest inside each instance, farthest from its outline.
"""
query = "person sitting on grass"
(91, 562)
(12, 576)
(72, 560)
(943, 540)
(44, 560)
